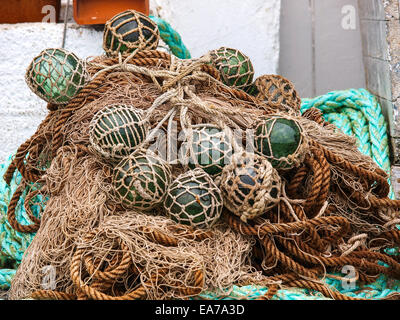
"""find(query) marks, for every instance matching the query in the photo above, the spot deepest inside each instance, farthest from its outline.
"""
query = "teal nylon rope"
(357, 113)
(6, 276)
(171, 38)
(12, 243)
(378, 290)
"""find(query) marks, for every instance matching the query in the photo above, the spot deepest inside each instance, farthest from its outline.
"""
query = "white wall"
(317, 53)
(21, 111)
(251, 26)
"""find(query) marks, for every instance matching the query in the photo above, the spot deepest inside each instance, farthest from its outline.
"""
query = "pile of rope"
(336, 210)
(12, 243)
(357, 113)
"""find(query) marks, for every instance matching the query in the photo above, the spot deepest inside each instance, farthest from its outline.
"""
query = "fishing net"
(329, 211)
(56, 75)
(116, 131)
(276, 90)
(236, 68)
(193, 199)
(128, 31)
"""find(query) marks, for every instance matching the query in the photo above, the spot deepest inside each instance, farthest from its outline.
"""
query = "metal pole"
(65, 24)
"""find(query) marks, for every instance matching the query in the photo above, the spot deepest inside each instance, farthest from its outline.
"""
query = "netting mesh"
(208, 147)
(56, 75)
(281, 140)
(276, 91)
(324, 207)
(252, 90)
(236, 68)
(250, 186)
(194, 199)
(128, 31)
(141, 181)
(116, 130)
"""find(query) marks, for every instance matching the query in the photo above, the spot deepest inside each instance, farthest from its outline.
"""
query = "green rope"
(357, 113)
(6, 276)
(380, 289)
(171, 38)
(12, 243)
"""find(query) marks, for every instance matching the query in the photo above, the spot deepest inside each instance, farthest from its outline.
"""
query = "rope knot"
(182, 69)
(353, 243)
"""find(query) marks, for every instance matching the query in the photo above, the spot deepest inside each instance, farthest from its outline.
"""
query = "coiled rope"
(12, 243)
(357, 113)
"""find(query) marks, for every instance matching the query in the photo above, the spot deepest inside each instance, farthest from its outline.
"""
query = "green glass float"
(141, 181)
(277, 92)
(235, 68)
(193, 199)
(44, 159)
(252, 90)
(56, 75)
(116, 130)
(281, 140)
(128, 31)
(210, 151)
(250, 186)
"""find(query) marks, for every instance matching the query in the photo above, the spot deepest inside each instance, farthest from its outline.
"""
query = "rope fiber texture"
(297, 243)
(357, 113)
(171, 38)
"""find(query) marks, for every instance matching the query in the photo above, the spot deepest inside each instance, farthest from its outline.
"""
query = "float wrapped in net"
(327, 210)
(56, 75)
(128, 31)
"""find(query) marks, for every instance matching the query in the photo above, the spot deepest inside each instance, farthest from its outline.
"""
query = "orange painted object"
(16, 11)
(99, 11)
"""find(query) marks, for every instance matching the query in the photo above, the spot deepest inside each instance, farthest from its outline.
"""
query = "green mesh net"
(128, 31)
(141, 181)
(210, 149)
(194, 199)
(56, 75)
(116, 130)
(235, 68)
(281, 140)
(250, 185)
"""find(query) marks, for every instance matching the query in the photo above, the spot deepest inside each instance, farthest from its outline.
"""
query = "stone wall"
(380, 26)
